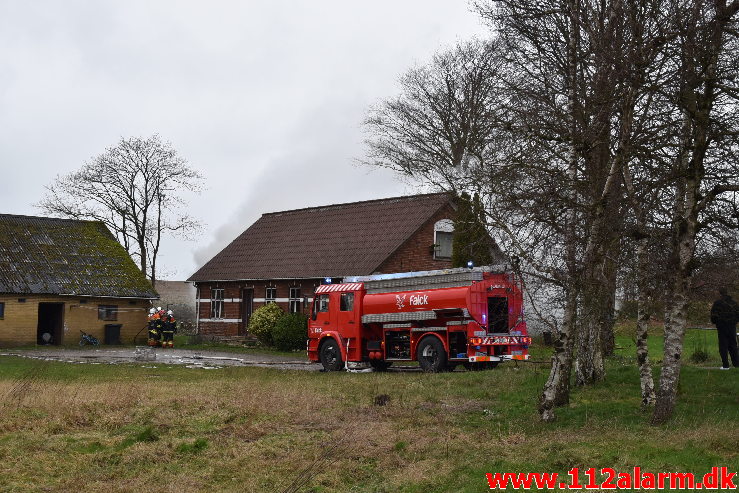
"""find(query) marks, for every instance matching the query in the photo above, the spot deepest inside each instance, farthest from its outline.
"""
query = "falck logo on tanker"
(415, 300)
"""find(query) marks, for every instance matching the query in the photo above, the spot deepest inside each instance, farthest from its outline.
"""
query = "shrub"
(290, 332)
(263, 321)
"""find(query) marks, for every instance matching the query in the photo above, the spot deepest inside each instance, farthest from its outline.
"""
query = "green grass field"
(89, 428)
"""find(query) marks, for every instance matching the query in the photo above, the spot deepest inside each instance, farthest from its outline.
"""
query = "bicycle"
(86, 338)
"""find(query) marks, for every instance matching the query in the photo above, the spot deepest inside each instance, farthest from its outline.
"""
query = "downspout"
(197, 309)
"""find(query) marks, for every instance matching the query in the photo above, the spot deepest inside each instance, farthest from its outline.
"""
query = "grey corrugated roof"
(334, 240)
(42, 255)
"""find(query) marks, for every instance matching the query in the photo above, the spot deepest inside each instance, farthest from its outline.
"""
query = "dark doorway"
(247, 308)
(498, 314)
(51, 323)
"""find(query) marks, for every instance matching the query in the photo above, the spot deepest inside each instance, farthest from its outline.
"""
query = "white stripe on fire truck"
(329, 288)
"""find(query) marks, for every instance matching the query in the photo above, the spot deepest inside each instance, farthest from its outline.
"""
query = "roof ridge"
(47, 218)
(333, 206)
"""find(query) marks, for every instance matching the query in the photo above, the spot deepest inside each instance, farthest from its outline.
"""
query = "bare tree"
(136, 188)
(571, 141)
(441, 124)
(706, 93)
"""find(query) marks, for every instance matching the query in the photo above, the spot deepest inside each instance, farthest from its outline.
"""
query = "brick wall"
(20, 322)
(415, 254)
(232, 323)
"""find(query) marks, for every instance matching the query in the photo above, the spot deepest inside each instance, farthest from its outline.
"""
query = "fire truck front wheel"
(431, 355)
(330, 355)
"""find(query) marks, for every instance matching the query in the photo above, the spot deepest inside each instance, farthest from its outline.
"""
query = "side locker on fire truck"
(438, 318)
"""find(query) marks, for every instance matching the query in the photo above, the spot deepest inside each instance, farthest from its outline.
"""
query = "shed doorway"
(50, 322)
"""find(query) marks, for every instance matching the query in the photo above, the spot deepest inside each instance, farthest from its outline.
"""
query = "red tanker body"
(439, 318)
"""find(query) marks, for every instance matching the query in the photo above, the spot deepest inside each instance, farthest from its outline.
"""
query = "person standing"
(154, 334)
(169, 330)
(725, 314)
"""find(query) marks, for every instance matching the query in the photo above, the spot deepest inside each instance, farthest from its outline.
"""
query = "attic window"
(21, 300)
(443, 234)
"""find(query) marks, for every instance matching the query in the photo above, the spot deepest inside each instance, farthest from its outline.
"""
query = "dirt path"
(205, 359)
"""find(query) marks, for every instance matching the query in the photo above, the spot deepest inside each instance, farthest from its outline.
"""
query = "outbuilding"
(60, 276)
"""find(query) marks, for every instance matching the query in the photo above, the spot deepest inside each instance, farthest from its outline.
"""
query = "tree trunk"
(557, 389)
(675, 328)
(590, 368)
(685, 229)
(608, 300)
(644, 312)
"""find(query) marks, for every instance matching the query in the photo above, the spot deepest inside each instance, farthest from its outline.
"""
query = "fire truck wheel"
(431, 355)
(330, 355)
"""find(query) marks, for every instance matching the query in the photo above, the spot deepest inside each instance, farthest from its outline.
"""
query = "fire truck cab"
(439, 318)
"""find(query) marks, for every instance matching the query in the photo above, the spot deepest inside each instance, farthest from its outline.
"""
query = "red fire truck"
(439, 318)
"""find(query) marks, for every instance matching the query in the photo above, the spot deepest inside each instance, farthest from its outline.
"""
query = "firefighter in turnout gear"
(169, 330)
(154, 328)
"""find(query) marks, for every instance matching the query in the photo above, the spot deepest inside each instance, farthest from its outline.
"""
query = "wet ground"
(203, 359)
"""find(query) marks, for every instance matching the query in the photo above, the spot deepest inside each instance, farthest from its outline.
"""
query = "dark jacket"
(725, 312)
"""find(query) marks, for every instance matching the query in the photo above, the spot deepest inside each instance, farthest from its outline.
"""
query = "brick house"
(284, 256)
(60, 276)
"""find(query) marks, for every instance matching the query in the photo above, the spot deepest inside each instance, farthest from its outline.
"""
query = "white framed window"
(443, 235)
(216, 303)
(295, 301)
(270, 295)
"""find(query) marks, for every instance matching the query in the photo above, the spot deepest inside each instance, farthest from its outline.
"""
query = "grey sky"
(264, 97)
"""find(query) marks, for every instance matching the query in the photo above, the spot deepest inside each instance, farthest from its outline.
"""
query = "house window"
(295, 300)
(270, 295)
(347, 302)
(216, 303)
(108, 312)
(2, 311)
(443, 234)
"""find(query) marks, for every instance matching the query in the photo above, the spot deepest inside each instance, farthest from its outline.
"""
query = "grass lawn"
(89, 428)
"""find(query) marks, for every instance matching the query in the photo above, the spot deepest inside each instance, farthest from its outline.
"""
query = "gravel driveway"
(205, 359)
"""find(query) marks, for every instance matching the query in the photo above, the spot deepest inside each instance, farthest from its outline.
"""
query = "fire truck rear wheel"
(330, 355)
(431, 355)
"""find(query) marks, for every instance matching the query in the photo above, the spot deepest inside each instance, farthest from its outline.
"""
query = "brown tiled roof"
(334, 240)
(42, 255)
